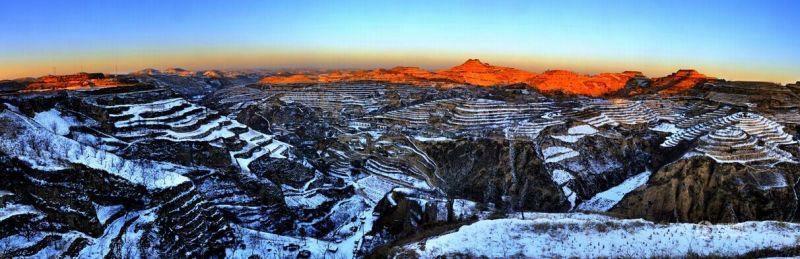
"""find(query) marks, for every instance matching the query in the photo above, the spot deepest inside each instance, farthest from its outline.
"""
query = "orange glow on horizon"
(254, 58)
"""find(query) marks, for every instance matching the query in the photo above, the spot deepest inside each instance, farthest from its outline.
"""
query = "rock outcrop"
(475, 72)
(289, 79)
(680, 81)
(699, 189)
(572, 83)
(489, 171)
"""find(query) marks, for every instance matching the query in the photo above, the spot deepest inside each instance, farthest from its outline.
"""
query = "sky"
(736, 40)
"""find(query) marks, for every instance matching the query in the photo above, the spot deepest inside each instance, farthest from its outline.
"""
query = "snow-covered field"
(590, 236)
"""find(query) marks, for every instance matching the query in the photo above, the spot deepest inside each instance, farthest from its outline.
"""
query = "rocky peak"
(682, 80)
(633, 73)
(473, 65)
(178, 71)
(688, 73)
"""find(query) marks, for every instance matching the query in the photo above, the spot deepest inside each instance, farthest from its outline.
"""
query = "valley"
(476, 160)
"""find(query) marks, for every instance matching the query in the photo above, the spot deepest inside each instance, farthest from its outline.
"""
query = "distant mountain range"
(475, 72)
(472, 72)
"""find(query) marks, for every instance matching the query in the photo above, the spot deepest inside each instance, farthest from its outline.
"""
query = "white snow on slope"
(604, 201)
(666, 127)
(582, 130)
(55, 121)
(11, 107)
(462, 209)
(576, 133)
(561, 235)
(46, 151)
(561, 178)
(373, 188)
(567, 138)
(305, 202)
(555, 154)
(102, 245)
(774, 181)
(256, 145)
(14, 209)
(431, 139)
(105, 212)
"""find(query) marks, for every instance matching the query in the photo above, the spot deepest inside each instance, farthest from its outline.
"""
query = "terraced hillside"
(172, 168)
(177, 120)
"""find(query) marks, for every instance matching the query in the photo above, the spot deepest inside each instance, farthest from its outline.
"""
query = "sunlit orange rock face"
(71, 82)
(406, 75)
(572, 83)
(680, 81)
(289, 79)
(475, 72)
(472, 72)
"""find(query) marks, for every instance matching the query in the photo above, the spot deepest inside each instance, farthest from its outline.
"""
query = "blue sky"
(732, 39)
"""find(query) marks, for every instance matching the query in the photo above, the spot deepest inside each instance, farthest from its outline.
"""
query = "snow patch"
(462, 209)
(12, 107)
(434, 139)
(561, 177)
(604, 201)
(666, 127)
(54, 121)
(774, 181)
(582, 130)
(303, 202)
(14, 209)
(576, 133)
(555, 154)
(105, 212)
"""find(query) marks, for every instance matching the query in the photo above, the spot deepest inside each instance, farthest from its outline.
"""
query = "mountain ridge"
(475, 72)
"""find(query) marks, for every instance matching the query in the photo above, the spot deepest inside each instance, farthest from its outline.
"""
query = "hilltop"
(78, 81)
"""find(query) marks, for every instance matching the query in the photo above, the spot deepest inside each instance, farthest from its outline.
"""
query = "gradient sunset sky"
(743, 40)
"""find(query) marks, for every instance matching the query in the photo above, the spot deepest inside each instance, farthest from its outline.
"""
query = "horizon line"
(322, 69)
